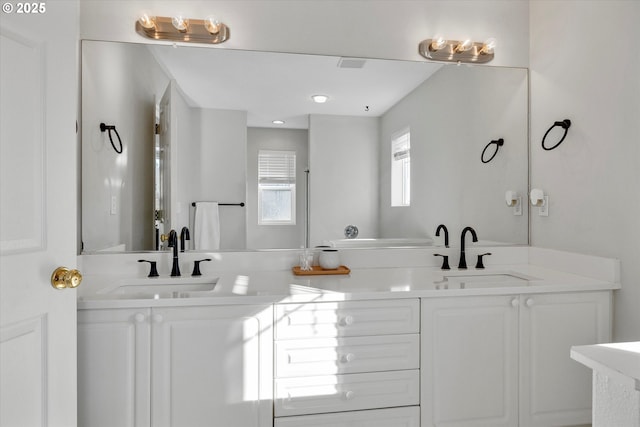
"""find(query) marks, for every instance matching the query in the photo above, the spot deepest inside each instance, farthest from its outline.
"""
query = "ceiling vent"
(351, 62)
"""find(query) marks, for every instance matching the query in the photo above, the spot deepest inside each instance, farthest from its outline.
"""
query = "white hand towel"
(207, 226)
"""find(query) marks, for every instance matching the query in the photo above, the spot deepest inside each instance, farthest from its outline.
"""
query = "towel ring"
(498, 142)
(110, 128)
(565, 124)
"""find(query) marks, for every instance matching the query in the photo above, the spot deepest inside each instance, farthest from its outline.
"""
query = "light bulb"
(437, 43)
(464, 46)
(148, 22)
(212, 24)
(320, 99)
(179, 23)
(488, 46)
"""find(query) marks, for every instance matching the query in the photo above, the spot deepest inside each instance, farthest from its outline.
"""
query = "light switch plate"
(544, 209)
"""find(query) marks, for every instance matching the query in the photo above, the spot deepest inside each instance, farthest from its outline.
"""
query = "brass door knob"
(63, 278)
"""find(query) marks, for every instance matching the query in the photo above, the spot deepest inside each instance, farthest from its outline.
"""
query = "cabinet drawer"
(346, 355)
(336, 393)
(393, 417)
(347, 318)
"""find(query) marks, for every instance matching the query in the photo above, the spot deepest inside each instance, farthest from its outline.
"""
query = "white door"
(554, 389)
(212, 366)
(114, 360)
(38, 74)
(469, 361)
(168, 128)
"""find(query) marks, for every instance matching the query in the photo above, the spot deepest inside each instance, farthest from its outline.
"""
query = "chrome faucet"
(463, 261)
(446, 234)
(173, 243)
(184, 235)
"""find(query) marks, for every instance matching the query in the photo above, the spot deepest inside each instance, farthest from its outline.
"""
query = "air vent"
(351, 63)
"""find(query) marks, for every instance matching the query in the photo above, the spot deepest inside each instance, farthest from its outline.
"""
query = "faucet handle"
(479, 264)
(445, 261)
(196, 266)
(153, 272)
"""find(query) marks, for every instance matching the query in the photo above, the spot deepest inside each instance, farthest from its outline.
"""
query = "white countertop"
(246, 286)
(620, 361)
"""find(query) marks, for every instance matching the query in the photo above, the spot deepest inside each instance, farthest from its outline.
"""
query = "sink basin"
(488, 280)
(176, 287)
(494, 278)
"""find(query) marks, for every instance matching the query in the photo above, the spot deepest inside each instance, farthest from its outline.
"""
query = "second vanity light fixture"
(439, 49)
(179, 28)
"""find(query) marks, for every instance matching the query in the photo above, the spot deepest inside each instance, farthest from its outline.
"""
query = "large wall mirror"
(394, 151)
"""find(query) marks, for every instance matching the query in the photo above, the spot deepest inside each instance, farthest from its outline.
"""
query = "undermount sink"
(480, 280)
(175, 287)
(486, 277)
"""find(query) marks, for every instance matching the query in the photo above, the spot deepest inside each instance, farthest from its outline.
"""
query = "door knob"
(63, 278)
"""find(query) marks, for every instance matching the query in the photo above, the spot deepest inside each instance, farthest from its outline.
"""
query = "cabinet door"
(212, 366)
(469, 370)
(555, 390)
(113, 368)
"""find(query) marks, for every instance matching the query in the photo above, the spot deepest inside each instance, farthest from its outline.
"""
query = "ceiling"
(278, 86)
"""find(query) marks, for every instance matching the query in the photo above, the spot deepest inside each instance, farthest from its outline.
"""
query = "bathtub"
(380, 242)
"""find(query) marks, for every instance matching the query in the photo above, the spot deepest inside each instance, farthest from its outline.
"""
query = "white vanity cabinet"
(504, 360)
(351, 363)
(176, 366)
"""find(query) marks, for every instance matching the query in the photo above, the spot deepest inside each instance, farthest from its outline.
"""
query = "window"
(276, 187)
(401, 169)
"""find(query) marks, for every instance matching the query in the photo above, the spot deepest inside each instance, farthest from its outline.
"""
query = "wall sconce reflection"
(439, 49)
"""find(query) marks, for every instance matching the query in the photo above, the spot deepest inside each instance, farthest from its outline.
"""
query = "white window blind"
(402, 147)
(276, 167)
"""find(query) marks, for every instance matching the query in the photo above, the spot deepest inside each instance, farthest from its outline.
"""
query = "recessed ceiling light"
(320, 98)
(278, 122)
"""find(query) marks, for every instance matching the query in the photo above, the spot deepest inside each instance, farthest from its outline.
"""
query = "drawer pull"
(348, 395)
(346, 321)
(529, 302)
(139, 317)
(346, 358)
(515, 302)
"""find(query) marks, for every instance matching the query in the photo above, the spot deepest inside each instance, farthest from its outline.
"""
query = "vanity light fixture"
(319, 99)
(181, 29)
(439, 49)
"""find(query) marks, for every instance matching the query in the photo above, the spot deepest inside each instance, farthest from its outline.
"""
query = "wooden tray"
(316, 270)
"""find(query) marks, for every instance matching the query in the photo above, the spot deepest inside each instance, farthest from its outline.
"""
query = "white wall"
(372, 28)
(449, 183)
(276, 236)
(585, 66)
(222, 165)
(343, 153)
(119, 88)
